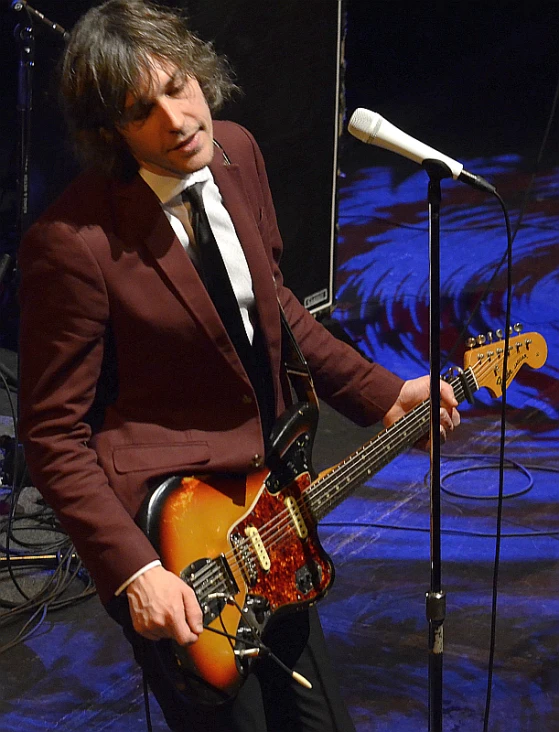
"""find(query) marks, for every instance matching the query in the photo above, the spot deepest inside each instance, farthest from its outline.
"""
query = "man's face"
(168, 125)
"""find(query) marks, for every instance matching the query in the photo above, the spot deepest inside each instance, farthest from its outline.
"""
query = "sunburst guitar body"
(248, 545)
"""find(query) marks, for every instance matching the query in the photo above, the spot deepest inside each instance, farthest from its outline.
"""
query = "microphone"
(371, 128)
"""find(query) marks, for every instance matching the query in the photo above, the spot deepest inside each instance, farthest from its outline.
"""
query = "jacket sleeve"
(64, 311)
(359, 389)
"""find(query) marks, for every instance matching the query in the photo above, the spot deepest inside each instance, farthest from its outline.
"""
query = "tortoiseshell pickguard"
(287, 552)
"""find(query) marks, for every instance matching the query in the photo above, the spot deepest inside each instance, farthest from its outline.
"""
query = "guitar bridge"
(212, 582)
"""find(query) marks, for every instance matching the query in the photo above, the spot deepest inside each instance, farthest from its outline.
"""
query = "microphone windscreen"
(364, 124)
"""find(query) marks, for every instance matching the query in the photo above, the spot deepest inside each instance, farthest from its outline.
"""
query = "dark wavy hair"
(109, 51)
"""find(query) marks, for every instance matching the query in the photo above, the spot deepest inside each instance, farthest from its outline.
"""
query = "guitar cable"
(259, 647)
(511, 236)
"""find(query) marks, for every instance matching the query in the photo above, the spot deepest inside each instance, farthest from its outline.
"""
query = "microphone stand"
(435, 598)
(25, 36)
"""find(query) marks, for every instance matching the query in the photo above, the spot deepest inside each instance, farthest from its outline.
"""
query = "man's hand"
(415, 391)
(162, 605)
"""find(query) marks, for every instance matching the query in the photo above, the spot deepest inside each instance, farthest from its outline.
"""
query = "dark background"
(286, 61)
(476, 77)
(470, 78)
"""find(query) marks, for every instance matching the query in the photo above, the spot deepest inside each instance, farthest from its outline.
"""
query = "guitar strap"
(296, 366)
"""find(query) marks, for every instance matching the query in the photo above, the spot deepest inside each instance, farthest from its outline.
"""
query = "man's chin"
(180, 165)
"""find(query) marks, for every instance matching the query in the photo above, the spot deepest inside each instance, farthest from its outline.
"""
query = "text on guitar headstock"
(485, 357)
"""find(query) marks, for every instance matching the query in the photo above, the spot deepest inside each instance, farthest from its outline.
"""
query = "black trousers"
(269, 700)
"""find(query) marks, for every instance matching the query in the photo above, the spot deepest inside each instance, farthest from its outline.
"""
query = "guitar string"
(416, 422)
(347, 471)
(282, 520)
(328, 489)
(274, 529)
(270, 531)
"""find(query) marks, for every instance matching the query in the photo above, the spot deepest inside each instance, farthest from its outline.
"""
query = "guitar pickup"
(245, 558)
(259, 549)
(296, 517)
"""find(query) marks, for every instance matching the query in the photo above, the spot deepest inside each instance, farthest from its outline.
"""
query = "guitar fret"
(331, 490)
(270, 543)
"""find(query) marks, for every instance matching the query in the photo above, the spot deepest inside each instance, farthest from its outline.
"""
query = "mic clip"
(436, 169)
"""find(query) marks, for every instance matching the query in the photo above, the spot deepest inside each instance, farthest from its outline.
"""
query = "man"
(127, 369)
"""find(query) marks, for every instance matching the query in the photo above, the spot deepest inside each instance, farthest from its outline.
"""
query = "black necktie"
(214, 273)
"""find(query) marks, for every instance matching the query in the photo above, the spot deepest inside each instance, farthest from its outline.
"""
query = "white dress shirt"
(169, 190)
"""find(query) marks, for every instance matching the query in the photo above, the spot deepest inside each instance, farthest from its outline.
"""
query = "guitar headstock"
(486, 358)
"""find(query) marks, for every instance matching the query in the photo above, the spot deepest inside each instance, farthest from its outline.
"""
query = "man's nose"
(173, 115)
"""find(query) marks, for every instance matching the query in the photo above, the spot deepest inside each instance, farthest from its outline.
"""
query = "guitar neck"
(330, 490)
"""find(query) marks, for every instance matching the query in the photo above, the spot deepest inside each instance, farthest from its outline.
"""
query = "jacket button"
(257, 461)
(247, 399)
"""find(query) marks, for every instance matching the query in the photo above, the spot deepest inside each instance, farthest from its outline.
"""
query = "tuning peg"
(480, 340)
(471, 342)
(518, 327)
(489, 337)
(499, 333)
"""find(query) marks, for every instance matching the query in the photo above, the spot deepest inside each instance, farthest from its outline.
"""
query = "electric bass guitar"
(248, 546)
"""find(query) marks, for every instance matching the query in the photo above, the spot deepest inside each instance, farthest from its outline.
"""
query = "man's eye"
(175, 90)
(138, 112)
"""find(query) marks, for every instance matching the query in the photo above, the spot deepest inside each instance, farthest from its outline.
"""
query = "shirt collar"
(167, 188)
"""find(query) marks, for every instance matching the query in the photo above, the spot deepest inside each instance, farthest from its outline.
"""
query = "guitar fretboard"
(329, 491)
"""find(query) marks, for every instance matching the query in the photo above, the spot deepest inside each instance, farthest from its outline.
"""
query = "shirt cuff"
(124, 585)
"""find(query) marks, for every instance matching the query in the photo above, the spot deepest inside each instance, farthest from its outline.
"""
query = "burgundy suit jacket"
(102, 266)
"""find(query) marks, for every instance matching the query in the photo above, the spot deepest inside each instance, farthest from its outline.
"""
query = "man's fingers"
(449, 421)
(162, 605)
(182, 633)
(193, 611)
(447, 395)
(455, 416)
(172, 624)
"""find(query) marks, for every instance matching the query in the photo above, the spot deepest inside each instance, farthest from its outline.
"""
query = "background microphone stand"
(25, 37)
(435, 598)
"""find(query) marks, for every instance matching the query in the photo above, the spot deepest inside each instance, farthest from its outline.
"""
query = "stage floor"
(75, 672)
